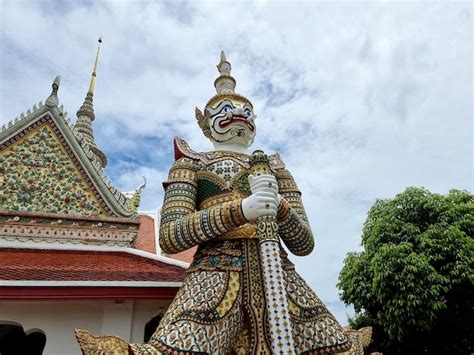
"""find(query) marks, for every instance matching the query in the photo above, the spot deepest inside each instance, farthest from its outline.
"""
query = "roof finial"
(91, 86)
(52, 100)
(85, 116)
(135, 197)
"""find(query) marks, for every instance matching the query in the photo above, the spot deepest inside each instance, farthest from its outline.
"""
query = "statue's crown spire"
(225, 83)
(224, 66)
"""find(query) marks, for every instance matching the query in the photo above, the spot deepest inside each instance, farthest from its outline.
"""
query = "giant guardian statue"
(212, 200)
(242, 294)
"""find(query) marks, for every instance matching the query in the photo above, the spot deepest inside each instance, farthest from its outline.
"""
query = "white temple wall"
(58, 319)
(143, 311)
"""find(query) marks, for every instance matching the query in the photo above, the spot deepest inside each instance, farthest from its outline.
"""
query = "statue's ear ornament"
(203, 121)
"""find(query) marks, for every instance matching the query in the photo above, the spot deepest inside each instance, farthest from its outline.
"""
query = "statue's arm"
(181, 226)
(293, 224)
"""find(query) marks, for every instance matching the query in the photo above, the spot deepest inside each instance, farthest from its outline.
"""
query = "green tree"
(413, 281)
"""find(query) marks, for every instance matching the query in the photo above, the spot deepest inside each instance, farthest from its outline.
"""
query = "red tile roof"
(78, 265)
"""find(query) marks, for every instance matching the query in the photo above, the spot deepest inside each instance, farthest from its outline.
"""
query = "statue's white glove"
(264, 199)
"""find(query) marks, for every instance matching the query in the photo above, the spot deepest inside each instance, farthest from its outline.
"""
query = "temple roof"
(47, 168)
(84, 265)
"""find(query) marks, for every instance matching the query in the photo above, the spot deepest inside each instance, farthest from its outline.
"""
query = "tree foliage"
(413, 281)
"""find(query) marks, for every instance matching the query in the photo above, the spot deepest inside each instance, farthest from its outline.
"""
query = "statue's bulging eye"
(248, 112)
(227, 108)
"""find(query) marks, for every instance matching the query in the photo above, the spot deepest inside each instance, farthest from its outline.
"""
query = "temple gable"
(41, 174)
(52, 183)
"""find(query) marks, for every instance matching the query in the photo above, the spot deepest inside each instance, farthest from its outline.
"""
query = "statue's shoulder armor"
(276, 163)
(184, 168)
(286, 182)
(182, 150)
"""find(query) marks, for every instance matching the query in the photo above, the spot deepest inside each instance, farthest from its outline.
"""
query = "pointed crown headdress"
(225, 88)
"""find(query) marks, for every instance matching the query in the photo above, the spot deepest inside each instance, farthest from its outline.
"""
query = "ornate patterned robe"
(220, 309)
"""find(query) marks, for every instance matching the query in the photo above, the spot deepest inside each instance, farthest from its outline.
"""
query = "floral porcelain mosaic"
(39, 176)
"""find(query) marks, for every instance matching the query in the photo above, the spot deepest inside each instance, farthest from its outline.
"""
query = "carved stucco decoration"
(69, 235)
(49, 227)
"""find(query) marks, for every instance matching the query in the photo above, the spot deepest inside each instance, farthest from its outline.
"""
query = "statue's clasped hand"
(264, 200)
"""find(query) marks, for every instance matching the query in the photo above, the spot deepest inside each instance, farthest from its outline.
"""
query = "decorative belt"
(247, 231)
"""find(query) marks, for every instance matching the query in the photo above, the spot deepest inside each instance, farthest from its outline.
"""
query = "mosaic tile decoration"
(38, 175)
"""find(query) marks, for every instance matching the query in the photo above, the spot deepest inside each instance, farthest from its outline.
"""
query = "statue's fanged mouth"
(236, 119)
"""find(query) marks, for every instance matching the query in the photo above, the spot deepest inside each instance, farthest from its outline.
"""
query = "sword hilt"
(259, 163)
(267, 227)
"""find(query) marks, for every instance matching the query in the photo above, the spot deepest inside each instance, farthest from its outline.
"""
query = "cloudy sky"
(361, 99)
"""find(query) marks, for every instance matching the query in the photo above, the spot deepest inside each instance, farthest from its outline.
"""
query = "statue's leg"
(205, 317)
(315, 330)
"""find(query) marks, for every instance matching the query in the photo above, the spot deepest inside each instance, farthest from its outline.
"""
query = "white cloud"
(362, 99)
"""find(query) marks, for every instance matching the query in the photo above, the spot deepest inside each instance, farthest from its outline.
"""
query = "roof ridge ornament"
(136, 197)
(52, 100)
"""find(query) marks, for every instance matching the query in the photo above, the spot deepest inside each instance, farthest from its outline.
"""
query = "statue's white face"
(232, 121)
